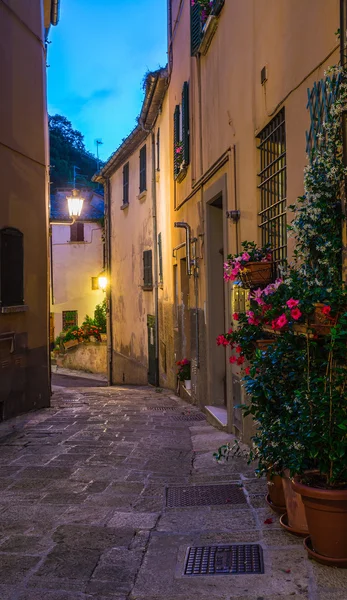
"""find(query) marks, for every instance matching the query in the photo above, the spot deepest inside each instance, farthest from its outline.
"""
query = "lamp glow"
(75, 204)
(102, 282)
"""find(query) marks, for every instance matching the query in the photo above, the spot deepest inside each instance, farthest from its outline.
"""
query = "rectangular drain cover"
(205, 495)
(192, 417)
(236, 559)
(163, 408)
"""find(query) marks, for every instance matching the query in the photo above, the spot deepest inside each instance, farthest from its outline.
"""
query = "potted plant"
(253, 267)
(183, 372)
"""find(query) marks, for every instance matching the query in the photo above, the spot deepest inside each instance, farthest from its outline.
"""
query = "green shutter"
(176, 139)
(147, 269)
(185, 123)
(143, 169)
(195, 28)
(217, 7)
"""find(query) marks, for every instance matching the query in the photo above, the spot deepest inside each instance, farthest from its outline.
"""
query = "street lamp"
(75, 204)
(102, 281)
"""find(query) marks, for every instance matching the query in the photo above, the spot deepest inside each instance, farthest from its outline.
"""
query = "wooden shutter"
(185, 123)
(11, 267)
(77, 232)
(126, 184)
(158, 149)
(147, 269)
(176, 138)
(195, 28)
(160, 256)
(143, 169)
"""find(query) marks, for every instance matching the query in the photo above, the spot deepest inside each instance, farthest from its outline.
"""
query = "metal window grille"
(77, 232)
(319, 100)
(11, 267)
(147, 270)
(70, 319)
(126, 183)
(273, 187)
(143, 169)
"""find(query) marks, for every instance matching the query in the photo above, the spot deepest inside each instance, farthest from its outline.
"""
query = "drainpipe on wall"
(109, 327)
(155, 262)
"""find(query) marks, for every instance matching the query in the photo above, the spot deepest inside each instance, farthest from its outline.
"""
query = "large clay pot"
(275, 489)
(295, 506)
(326, 512)
(256, 274)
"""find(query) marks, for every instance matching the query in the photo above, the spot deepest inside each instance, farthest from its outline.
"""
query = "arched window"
(11, 267)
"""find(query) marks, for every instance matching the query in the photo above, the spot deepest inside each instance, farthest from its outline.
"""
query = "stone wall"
(90, 357)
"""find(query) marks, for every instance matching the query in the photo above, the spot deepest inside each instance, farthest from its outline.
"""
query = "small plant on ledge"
(183, 371)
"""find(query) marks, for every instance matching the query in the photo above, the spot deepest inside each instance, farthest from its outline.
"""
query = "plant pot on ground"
(326, 512)
(275, 497)
(296, 517)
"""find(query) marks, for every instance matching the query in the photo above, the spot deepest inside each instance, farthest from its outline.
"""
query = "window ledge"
(80, 242)
(209, 30)
(142, 195)
(182, 173)
(14, 309)
(147, 288)
(124, 206)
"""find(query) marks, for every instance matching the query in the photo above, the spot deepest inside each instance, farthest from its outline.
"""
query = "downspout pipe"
(155, 261)
(109, 327)
(183, 225)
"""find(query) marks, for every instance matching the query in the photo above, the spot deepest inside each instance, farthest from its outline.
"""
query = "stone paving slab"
(83, 513)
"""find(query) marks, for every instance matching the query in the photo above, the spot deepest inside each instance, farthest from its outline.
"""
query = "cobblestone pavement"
(83, 511)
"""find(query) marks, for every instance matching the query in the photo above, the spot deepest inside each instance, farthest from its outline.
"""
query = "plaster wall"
(74, 264)
(25, 379)
(131, 235)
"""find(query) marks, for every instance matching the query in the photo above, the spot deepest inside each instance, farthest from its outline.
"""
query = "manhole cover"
(204, 495)
(236, 559)
(193, 417)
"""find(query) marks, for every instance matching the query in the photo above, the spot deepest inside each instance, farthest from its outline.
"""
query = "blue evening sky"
(99, 53)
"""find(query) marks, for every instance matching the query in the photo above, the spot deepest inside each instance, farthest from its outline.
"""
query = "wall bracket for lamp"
(234, 215)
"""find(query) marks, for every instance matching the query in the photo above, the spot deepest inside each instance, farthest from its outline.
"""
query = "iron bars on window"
(273, 187)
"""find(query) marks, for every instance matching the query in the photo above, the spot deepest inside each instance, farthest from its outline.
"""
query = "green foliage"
(67, 150)
(100, 316)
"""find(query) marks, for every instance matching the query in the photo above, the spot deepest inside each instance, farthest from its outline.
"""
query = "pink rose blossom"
(245, 256)
(282, 321)
(236, 316)
(326, 311)
(232, 359)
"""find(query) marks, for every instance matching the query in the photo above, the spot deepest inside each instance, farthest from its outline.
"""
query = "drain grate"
(204, 495)
(193, 417)
(163, 408)
(236, 559)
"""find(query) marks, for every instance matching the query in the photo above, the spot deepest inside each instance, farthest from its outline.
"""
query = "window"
(70, 319)
(77, 232)
(147, 270)
(143, 169)
(11, 267)
(273, 187)
(158, 149)
(181, 132)
(198, 17)
(160, 258)
(126, 184)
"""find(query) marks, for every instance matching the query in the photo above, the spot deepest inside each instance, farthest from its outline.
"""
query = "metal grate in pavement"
(162, 408)
(192, 417)
(204, 495)
(236, 559)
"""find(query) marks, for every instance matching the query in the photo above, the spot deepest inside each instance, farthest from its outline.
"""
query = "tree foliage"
(67, 150)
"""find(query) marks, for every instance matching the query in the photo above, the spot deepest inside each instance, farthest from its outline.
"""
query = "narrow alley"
(89, 509)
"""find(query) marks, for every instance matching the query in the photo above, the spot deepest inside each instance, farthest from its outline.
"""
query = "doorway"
(216, 301)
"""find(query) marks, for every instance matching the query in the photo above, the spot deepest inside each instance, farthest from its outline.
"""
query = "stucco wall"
(74, 264)
(24, 201)
(89, 357)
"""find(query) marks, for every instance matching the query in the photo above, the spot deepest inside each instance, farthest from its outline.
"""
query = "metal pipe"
(177, 248)
(109, 327)
(196, 292)
(185, 226)
(155, 261)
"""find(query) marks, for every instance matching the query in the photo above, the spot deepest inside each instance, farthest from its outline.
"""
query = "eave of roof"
(55, 12)
(156, 85)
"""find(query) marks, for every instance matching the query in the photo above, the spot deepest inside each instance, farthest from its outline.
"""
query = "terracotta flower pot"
(321, 324)
(276, 494)
(326, 512)
(295, 506)
(257, 274)
(264, 344)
